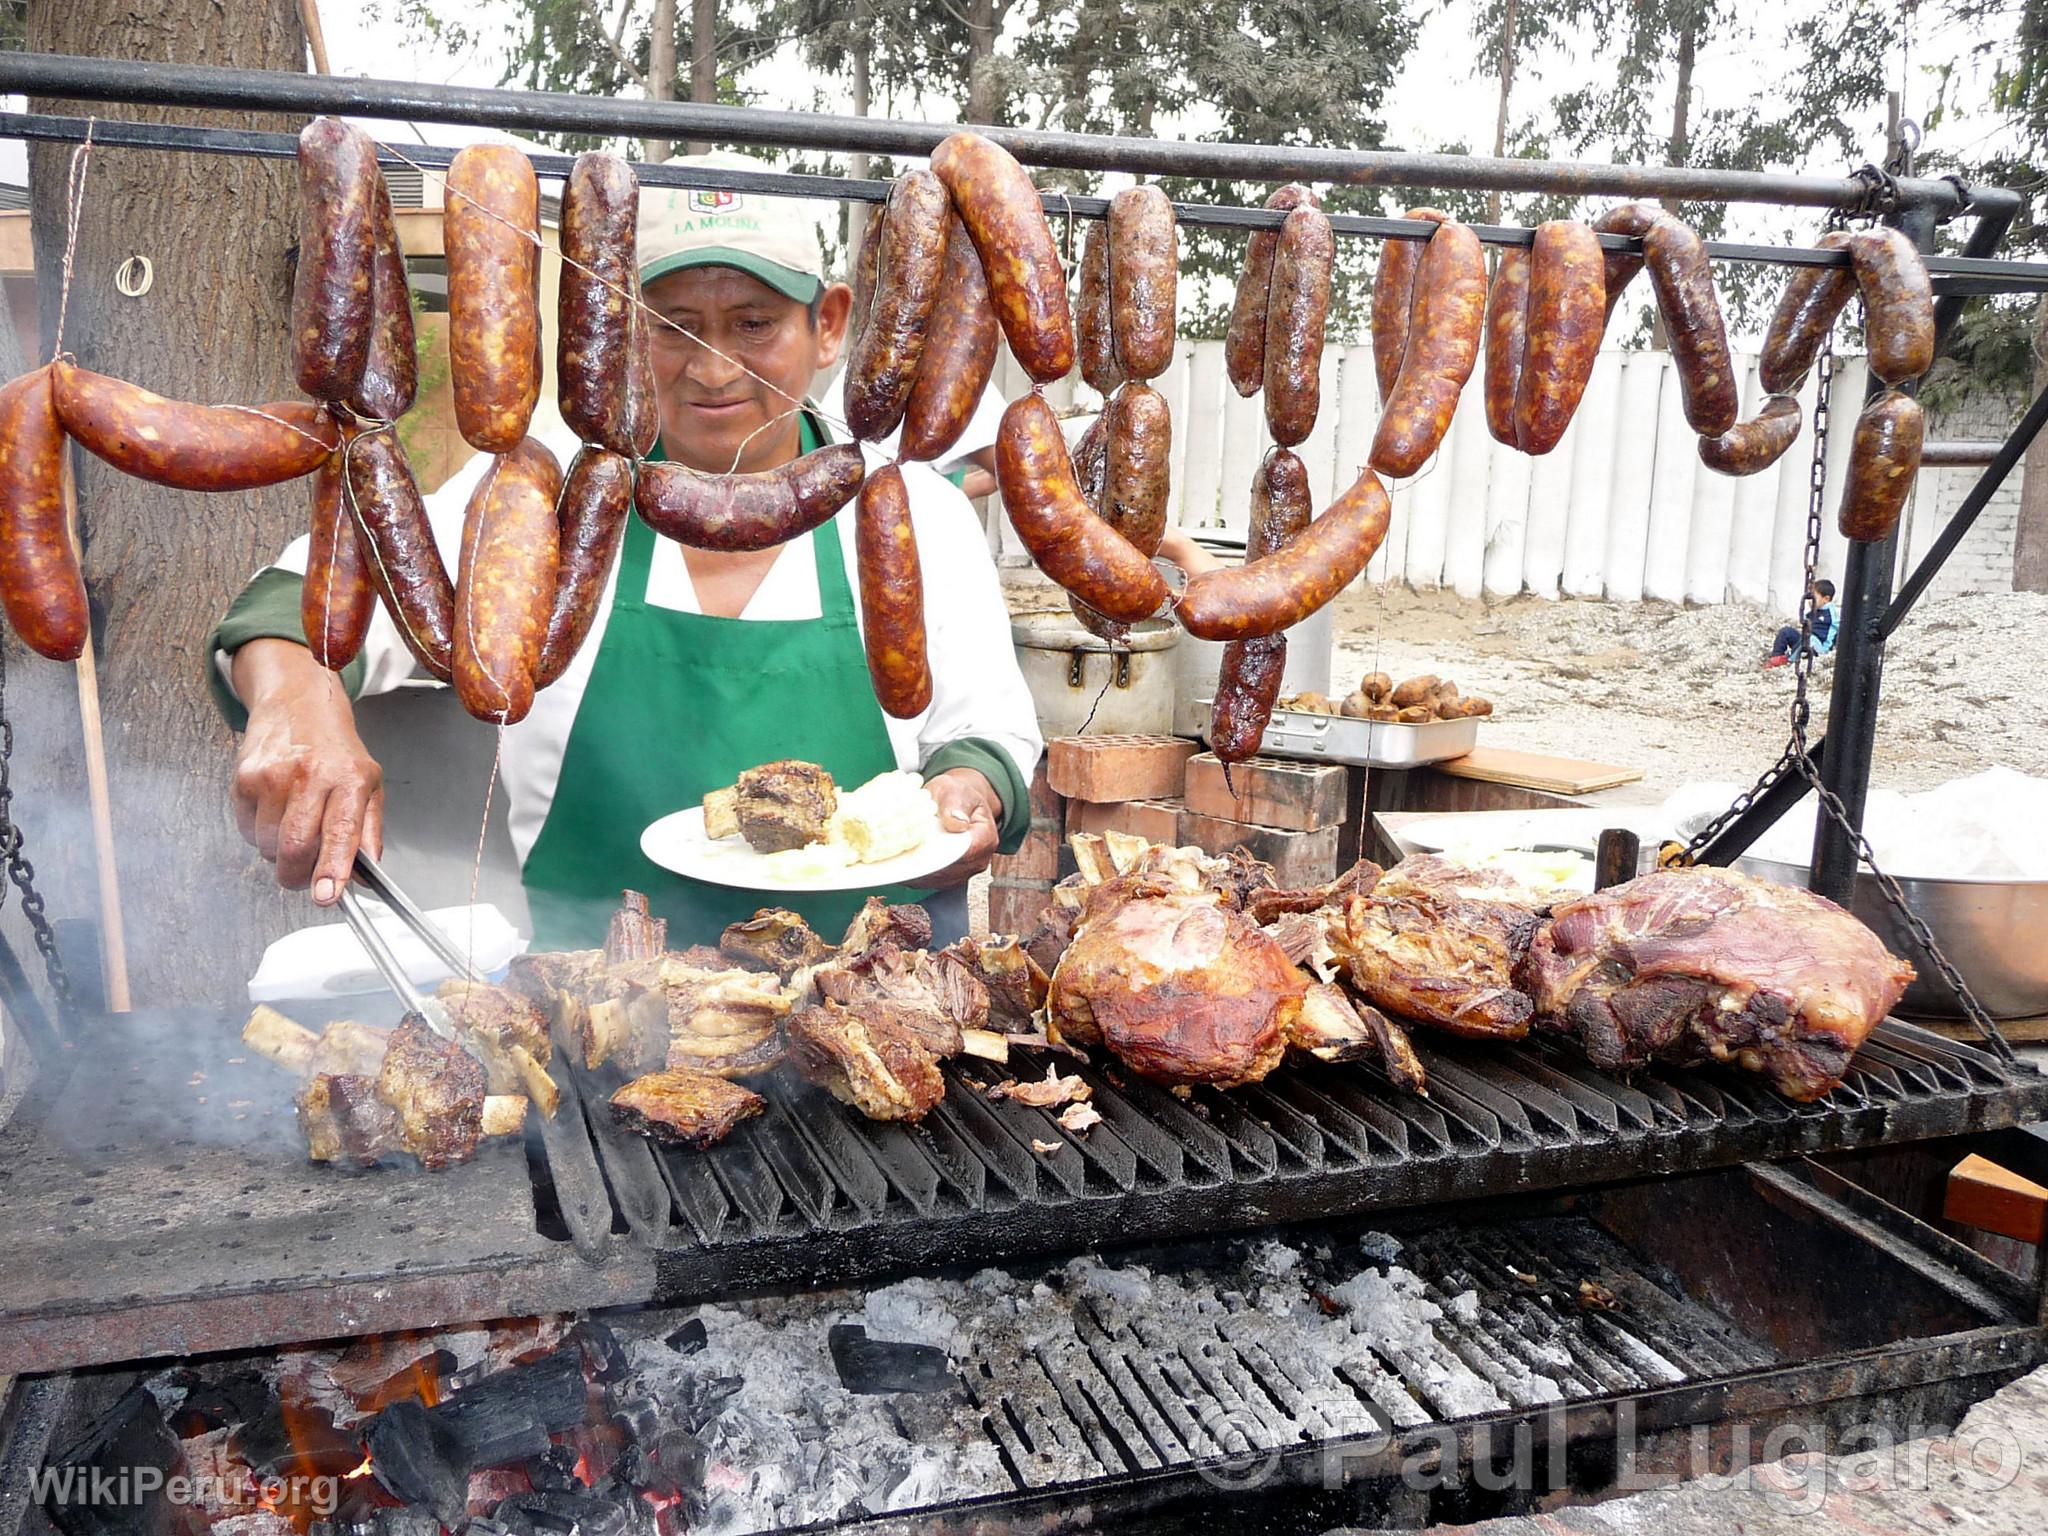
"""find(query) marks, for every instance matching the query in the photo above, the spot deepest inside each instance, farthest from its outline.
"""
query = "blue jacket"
(1824, 626)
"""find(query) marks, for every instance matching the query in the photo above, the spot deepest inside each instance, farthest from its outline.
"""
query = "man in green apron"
(700, 664)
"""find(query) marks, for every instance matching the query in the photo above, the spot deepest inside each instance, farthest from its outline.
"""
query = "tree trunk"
(2030, 539)
(162, 565)
(1507, 84)
(703, 57)
(983, 95)
(863, 53)
(661, 67)
(1677, 151)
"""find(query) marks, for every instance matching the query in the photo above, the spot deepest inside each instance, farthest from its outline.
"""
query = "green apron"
(680, 704)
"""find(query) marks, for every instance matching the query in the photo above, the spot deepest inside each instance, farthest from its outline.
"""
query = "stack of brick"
(1291, 815)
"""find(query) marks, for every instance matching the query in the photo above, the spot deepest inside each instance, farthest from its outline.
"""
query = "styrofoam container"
(326, 960)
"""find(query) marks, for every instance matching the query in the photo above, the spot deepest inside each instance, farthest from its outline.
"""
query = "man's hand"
(967, 803)
(306, 792)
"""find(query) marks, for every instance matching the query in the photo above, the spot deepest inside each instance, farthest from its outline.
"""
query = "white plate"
(678, 843)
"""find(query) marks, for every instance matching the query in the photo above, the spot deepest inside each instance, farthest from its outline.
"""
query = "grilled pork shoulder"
(934, 1000)
(774, 939)
(866, 1055)
(436, 1089)
(683, 1108)
(1015, 982)
(1439, 959)
(1689, 965)
(1331, 1027)
(784, 805)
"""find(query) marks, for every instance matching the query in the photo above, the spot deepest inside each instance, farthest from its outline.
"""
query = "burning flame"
(361, 1471)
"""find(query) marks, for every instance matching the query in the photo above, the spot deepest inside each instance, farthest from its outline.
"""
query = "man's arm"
(306, 791)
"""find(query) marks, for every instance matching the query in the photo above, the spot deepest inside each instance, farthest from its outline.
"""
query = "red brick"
(1269, 792)
(1105, 768)
(1015, 906)
(1299, 859)
(1155, 820)
(1036, 858)
(1045, 805)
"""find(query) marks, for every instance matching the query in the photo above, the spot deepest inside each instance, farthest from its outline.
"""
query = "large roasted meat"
(1181, 988)
(1437, 957)
(684, 1108)
(933, 999)
(1689, 965)
(436, 1090)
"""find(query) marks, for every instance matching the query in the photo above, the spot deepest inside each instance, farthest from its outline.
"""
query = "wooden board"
(1981, 1194)
(1537, 770)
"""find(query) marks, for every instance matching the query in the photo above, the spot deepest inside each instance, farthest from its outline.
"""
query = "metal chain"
(20, 872)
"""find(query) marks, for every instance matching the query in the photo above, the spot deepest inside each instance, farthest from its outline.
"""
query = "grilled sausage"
(505, 583)
(1144, 277)
(1003, 215)
(959, 354)
(1507, 335)
(1898, 304)
(1567, 313)
(1619, 268)
(1393, 297)
(191, 447)
(643, 396)
(1756, 444)
(1265, 596)
(910, 260)
(1442, 345)
(891, 595)
(1069, 542)
(405, 566)
(1248, 680)
(491, 233)
(1295, 312)
(864, 277)
(1684, 281)
(596, 496)
(593, 344)
(747, 512)
(331, 289)
(41, 586)
(1244, 345)
(1884, 458)
(337, 599)
(1806, 312)
(1137, 475)
(391, 372)
(1094, 326)
(1091, 470)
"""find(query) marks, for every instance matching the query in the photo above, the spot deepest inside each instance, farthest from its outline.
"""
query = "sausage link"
(505, 583)
(748, 512)
(1069, 542)
(1137, 473)
(191, 447)
(1619, 268)
(1144, 279)
(643, 397)
(864, 277)
(1091, 470)
(1507, 337)
(491, 233)
(593, 375)
(391, 372)
(1442, 345)
(1244, 345)
(1898, 304)
(1002, 212)
(1884, 459)
(908, 265)
(1754, 445)
(337, 599)
(1567, 314)
(1248, 680)
(1266, 596)
(1094, 327)
(891, 595)
(1393, 297)
(41, 586)
(1684, 281)
(405, 566)
(596, 496)
(1295, 314)
(1806, 312)
(959, 354)
(332, 289)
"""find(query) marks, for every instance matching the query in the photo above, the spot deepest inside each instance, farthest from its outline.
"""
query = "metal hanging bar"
(77, 78)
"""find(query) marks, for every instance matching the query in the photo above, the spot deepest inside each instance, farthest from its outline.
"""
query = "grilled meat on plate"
(785, 804)
(1689, 965)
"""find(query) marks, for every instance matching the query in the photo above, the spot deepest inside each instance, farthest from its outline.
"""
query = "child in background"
(1823, 628)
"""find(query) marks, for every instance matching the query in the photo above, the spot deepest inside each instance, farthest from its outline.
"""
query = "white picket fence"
(1621, 509)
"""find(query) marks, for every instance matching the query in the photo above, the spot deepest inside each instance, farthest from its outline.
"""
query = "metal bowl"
(1995, 932)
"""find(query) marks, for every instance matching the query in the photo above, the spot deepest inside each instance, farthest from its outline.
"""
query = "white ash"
(1381, 1247)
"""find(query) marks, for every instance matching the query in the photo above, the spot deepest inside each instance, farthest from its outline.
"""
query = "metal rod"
(1957, 455)
(424, 928)
(1763, 813)
(75, 77)
(2002, 464)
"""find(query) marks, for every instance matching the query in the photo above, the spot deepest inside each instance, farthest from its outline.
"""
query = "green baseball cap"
(774, 239)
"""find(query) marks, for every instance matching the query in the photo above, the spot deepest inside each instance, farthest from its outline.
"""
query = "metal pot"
(1196, 662)
(1082, 686)
(1991, 930)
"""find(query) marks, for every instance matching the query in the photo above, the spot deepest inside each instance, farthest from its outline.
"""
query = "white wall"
(1622, 509)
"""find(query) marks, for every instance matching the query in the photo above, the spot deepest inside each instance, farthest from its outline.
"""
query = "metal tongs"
(432, 1012)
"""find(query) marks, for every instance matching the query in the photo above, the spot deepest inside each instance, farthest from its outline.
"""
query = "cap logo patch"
(714, 202)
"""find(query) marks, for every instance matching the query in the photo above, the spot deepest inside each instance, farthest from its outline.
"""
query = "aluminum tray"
(1369, 743)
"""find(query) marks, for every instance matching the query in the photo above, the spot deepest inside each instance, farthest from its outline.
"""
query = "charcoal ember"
(868, 1365)
(604, 1358)
(514, 1413)
(704, 1398)
(688, 1339)
(419, 1459)
(130, 1436)
(299, 1440)
(554, 1470)
(554, 1513)
(404, 1522)
(210, 1405)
